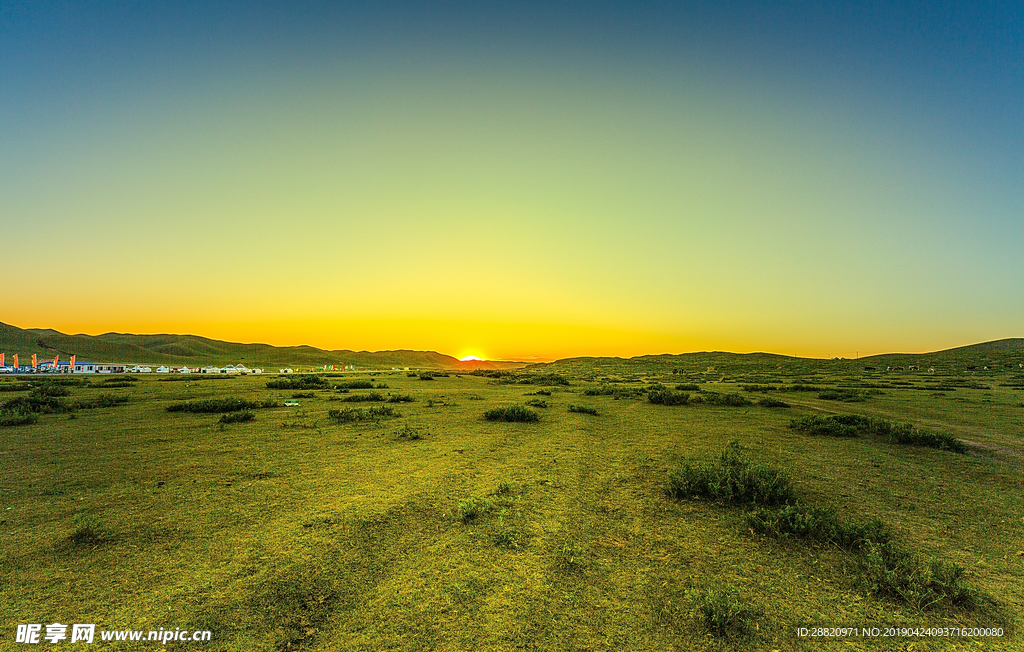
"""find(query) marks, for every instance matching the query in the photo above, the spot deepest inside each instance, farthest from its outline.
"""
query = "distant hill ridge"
(193, 349)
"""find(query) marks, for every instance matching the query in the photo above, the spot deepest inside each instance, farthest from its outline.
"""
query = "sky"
(526, 181)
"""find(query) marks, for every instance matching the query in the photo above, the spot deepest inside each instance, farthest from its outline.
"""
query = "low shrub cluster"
(215, 405)
(733, 479)
(537, 403)
(363, 398)
(401, 398)
(539, 392)
(237, 417)
(617, 392)
(844, 395)
(583, 409)
(513, 413)
(662, 396)
(299, 381)
(353, 415)
(728, 400)
(722, 612)
(884, 567)
(854, 425)
(355, 384)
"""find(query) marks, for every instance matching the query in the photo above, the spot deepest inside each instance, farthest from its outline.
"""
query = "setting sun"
(470, 358)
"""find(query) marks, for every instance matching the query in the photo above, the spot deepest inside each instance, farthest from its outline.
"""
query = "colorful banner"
(33, 360)
(72, 363)
(16, 362)
(2, 359)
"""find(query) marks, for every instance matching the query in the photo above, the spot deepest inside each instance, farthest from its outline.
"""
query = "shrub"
(845, 395)
(473, 508)
(401, 398)
(667, 397)
(732, 479)
(211, 406)
(89, 530)
(770, 402)
(540, 392)
(684, 387)
(722, 612)
(302, 381)
(237, 417)
(350, 415)
(304, 395)
(8, 419)
(537, 403)
(820, 524)
(408, 432)
(825, 426)
(887, 570)
(516, 413)
(426, 377)
(382, 411)
(728, 400)
(363, 398)
(355, 384)
(907, 435)
(582, 409)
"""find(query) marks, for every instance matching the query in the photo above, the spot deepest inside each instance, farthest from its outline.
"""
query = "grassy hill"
(999, 355)
(195, 350)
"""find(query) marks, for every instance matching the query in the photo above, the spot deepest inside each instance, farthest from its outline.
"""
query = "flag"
(55, 359)
(33, 360)
(2, 359)
(72, 363)
(16, 362)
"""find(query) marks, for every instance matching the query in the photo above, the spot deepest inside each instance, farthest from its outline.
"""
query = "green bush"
(540, 392)
(401, 398)
(89, 530)
(473, 508)
(363, 398)
(355, 384)
(909, 436)
(10, 419)
(212, 406)
(237, 417)
(771, 402)
(516, 413)
(722, 612)
(887, 570)
(537, 403)
(820, 524)
(582, 409)
(731, 479)
(728, 400)
(667, 397)
(301, 381)
(845, 395)
(824, 426)
(351, 415)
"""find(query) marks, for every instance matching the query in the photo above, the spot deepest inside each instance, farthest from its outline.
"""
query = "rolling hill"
(195, 350)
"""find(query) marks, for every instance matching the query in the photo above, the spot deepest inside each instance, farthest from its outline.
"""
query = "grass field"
(422, 525)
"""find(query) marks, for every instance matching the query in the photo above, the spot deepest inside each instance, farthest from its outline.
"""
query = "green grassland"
(423, 525)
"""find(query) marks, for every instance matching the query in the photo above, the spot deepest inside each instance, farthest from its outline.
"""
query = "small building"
(163, 369)
(184, 370)
(97, 368)
(210, 370)
(285, 371)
